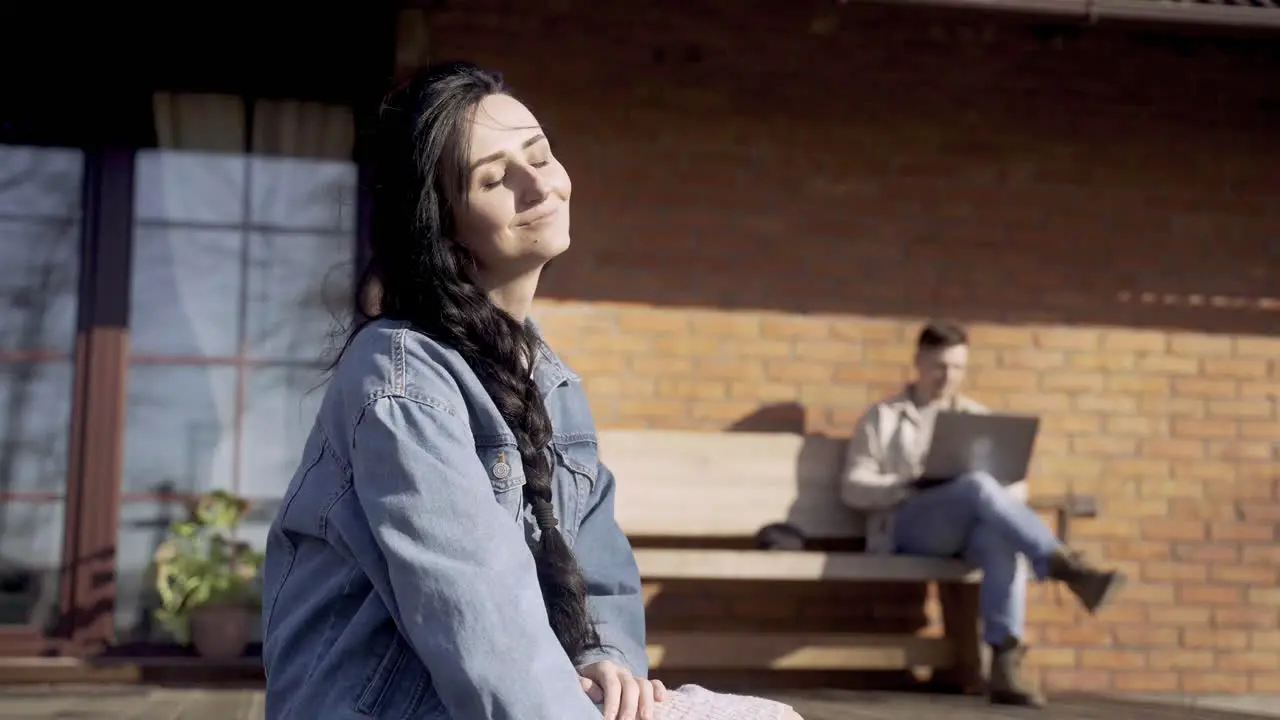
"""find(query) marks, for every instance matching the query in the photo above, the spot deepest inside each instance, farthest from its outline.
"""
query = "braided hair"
(420, 275)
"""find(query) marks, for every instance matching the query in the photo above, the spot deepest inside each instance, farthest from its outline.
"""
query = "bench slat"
(785, 651)
(659, 564)
(726, 484)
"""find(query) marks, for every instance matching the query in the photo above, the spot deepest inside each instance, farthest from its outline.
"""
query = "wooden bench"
(709, 487)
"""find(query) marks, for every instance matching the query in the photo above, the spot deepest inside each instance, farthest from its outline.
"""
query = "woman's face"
(516, 214)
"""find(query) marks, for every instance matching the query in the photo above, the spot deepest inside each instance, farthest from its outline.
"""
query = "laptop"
(999, 444)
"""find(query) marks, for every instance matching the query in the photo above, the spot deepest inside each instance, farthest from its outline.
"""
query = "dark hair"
(420, 174)
(940, 335)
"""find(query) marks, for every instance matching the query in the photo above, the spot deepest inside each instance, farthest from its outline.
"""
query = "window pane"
(35, 418)
(40, 191)
(281, 407)
(30, 555)
(185, 291)
(38, 284)
(179, 186)
(299, 194)
(143, 526)
(180, 429)
(299, 289)
(38, 182)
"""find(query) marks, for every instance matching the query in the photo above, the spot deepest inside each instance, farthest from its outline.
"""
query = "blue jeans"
(976, 518)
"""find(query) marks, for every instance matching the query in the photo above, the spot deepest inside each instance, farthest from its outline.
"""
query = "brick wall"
(764, 214)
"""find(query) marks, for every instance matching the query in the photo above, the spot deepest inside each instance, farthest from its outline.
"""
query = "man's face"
(939, 373)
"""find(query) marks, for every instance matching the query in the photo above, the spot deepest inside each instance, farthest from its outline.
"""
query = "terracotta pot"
(221, 632)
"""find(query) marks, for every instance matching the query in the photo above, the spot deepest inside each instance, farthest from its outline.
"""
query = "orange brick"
(1245, 531)
(1072, 382)
(1137, 425)
(1257, 346)
(1201, 345)
(1209, 594)
(1147, 636)
(1138, 384)
(1172, 529)
(1147, 681)
(1215, 639)
(1111, 362)
(1003, 379)
(1243, 575)
(791, 327)
(662, 366)
(1179, 616)
(1146, 341)
(1171, 488)
(798, 371)
(1105, 446)
(623, 344)
(1068, 338)
(1001, 336)
(1037, 402)
(726, 325)
(1264, 683)
(1112, 659)
(1188, 428)
(692, 346)
(693, 389)
(1031, 359)
(1169, 365)
(823, 351)
(1077, 680)
(1247, 617)
(746, 348)
(868, 330)
(1205, 552)
(762, 391)
(1246, 409)
(1183, 659)
(647, 322)
(1180, 572)
(1206, 387)
(729, 369)
(868, 373)
(652, 409)
(1236, 368)
(1216, 682)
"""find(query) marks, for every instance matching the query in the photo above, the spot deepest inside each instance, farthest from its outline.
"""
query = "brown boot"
(1094, 588)
(1007, 686)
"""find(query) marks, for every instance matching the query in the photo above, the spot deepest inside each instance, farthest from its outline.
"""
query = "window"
(242, 277)
(40, 205)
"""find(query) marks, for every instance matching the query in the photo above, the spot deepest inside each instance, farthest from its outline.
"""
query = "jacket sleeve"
(864, 484)
(613, 580)
(464, 590)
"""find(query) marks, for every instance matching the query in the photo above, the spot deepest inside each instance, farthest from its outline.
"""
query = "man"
(972, 516)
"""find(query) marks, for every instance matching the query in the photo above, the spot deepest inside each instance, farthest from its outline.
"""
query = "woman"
(448, 547)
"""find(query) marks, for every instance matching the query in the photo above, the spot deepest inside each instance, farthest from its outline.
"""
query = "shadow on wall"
(1094, 176)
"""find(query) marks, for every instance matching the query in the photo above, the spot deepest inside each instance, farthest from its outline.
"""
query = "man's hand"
(624, 696)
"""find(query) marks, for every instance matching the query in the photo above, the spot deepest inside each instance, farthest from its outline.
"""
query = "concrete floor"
(142, 703)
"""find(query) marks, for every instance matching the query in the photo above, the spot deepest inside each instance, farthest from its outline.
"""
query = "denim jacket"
(399, 581)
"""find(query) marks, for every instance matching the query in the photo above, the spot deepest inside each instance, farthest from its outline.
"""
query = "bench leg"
(963, 630)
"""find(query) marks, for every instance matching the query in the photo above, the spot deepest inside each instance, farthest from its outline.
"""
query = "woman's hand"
(624, 696)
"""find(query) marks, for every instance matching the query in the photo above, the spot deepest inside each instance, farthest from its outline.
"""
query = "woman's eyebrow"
(498, 155)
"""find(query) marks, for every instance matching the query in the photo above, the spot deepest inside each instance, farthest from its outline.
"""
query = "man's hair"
(940, 335)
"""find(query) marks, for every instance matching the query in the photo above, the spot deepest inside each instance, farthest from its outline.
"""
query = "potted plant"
(208, 581)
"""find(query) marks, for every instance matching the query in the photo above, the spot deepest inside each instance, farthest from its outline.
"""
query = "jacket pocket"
(399, 687)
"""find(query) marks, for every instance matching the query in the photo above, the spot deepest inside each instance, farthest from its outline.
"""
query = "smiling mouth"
(541, 216)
